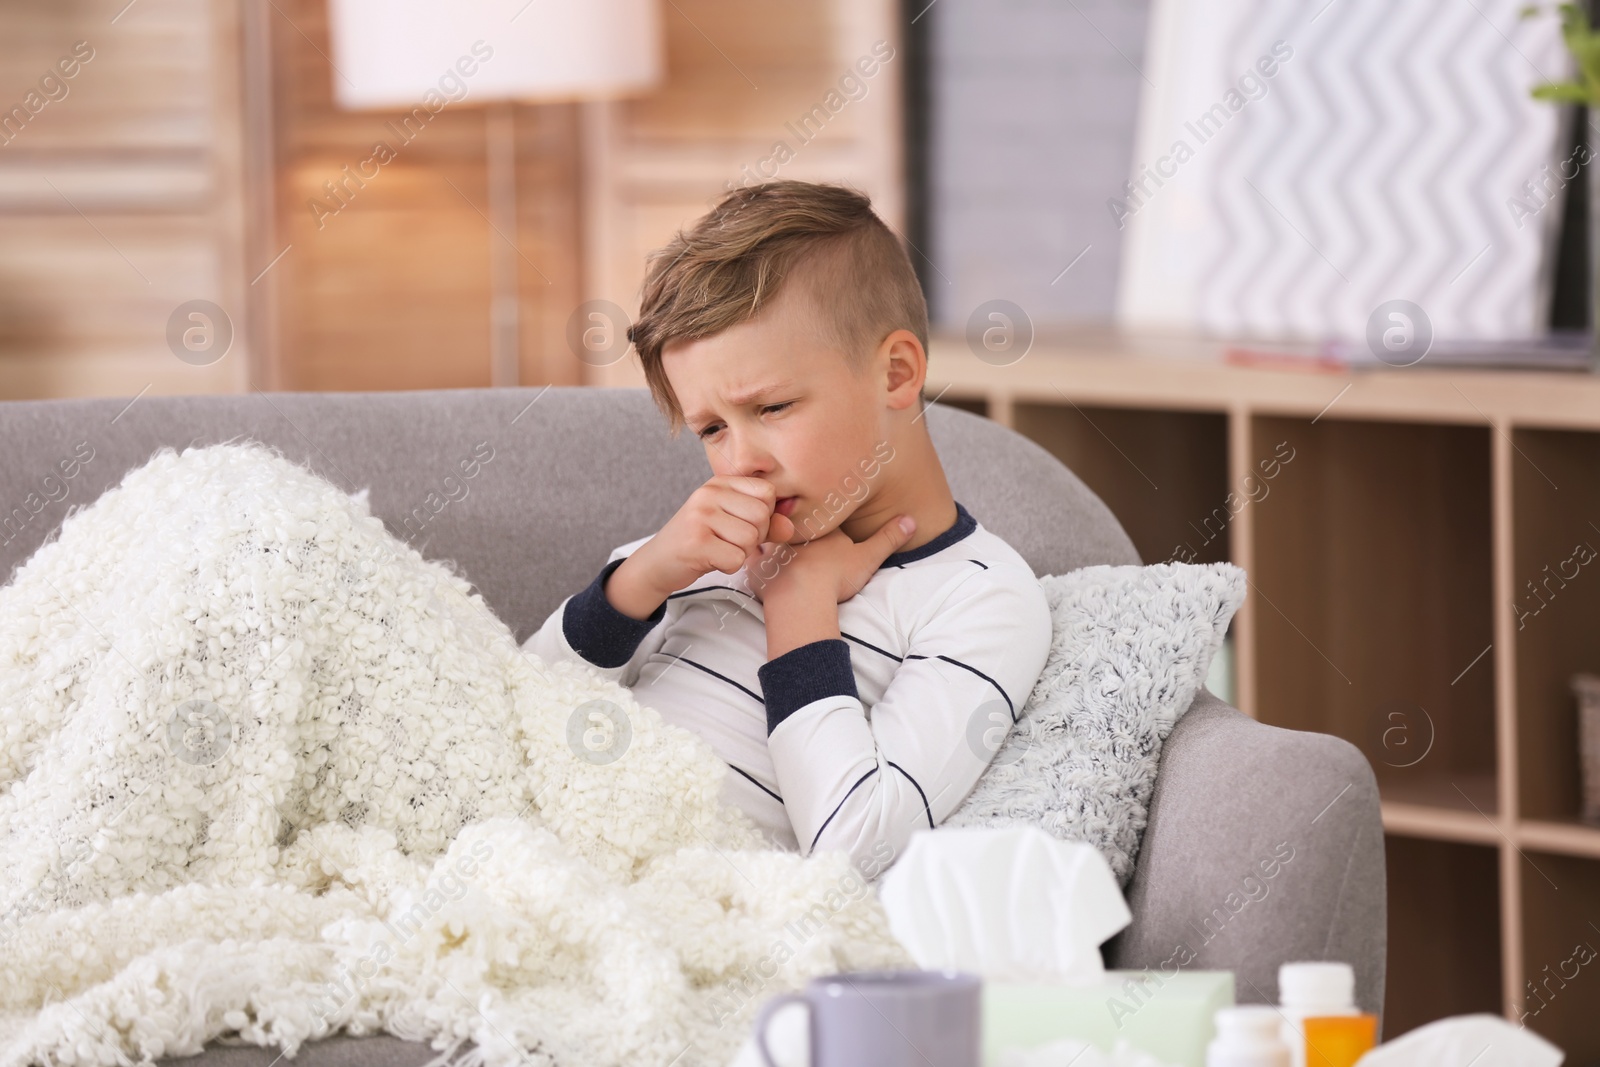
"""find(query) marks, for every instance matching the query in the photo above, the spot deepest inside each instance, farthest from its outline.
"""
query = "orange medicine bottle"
(1323, 991)
(1338, 1040)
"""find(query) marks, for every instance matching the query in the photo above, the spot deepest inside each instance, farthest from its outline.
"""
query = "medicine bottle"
(1248, 1036)
(1324, 993)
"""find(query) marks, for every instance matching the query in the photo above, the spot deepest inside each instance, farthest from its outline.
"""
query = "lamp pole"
(501, 131)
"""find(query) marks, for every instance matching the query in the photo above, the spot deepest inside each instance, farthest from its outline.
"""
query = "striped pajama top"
(849, 743)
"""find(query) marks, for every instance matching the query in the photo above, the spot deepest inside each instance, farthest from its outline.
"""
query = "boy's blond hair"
(736, 259)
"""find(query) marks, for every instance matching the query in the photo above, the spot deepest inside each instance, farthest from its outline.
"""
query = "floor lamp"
(438, 54)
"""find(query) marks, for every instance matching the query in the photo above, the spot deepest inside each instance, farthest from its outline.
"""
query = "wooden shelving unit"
(1397, 526)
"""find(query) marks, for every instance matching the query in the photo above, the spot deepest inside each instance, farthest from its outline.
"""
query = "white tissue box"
(1167, 1015)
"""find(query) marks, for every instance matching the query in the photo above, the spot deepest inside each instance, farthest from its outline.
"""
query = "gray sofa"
(573, 472)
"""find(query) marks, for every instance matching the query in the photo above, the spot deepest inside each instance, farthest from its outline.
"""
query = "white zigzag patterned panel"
(1300, 164)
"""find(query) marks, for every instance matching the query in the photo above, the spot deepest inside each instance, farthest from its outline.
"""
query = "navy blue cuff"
(801, 675)
(600, 633)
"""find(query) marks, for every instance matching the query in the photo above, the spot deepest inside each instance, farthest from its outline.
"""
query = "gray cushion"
(1230, 791)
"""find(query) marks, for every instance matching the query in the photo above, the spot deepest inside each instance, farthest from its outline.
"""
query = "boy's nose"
(749, 459)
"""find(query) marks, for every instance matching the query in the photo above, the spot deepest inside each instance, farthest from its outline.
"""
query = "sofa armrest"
(1264, 845)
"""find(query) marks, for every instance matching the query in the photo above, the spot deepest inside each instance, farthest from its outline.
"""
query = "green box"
(1169, 1016)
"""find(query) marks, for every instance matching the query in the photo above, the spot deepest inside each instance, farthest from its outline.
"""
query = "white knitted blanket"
(266, 775)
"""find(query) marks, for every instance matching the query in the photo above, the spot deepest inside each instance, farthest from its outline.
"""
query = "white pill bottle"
(1248, 1036)
(1312, 989)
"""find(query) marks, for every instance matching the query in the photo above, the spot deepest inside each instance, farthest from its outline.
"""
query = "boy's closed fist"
(721, 526)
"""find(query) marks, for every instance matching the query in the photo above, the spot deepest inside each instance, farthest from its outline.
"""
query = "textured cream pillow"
(1130, 649)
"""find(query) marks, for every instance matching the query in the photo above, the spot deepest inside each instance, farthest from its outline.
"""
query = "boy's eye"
(711, 429)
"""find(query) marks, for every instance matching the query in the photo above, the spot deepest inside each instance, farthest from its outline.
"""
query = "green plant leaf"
(1583, 44)
(1562, 93)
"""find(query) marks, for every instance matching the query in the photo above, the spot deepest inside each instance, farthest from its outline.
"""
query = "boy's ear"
(907, 366)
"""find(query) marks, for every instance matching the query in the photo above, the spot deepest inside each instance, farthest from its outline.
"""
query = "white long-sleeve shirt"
(847, 743)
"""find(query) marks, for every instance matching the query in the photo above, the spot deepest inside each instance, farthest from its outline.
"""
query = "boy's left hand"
(832, 564)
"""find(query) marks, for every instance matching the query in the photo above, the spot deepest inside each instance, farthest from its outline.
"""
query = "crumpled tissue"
(1482, 1040)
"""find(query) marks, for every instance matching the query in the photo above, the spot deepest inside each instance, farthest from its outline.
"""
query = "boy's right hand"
(723, 524)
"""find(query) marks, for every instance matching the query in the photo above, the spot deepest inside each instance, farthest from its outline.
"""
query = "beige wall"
(119, 193)
(188, 154)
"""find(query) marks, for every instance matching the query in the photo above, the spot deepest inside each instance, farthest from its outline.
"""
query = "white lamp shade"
(392, 53)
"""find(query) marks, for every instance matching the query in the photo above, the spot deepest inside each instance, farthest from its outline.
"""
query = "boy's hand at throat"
(831, 568)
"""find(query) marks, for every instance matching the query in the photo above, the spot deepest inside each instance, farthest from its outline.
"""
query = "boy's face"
(812, 434)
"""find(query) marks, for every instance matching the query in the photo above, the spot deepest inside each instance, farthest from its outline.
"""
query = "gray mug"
(887, 1019)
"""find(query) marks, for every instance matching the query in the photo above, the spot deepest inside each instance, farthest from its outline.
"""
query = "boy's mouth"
(785, 505)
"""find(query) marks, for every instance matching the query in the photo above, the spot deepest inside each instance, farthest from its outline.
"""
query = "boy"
(857, 675)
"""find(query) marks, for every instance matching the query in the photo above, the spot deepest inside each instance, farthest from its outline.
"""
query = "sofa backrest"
(527, 490)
